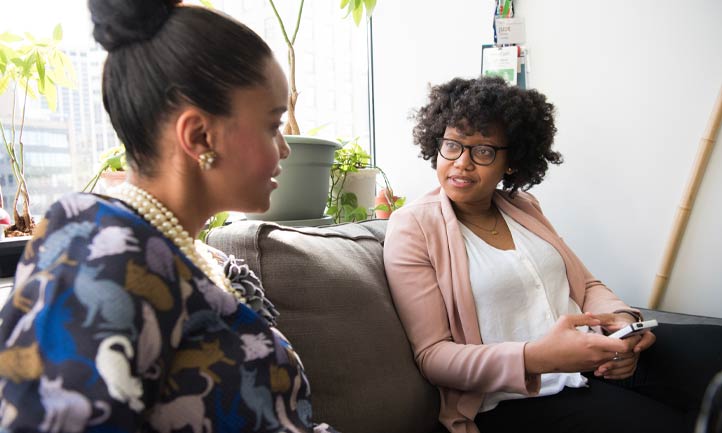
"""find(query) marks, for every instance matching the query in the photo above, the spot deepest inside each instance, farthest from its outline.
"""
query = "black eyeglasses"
(481, 154)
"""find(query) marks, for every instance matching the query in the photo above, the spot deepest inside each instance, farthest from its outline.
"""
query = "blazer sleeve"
(422, 308)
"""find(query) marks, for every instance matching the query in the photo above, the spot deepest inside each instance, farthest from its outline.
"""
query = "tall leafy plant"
(354, 8)
(29, 67)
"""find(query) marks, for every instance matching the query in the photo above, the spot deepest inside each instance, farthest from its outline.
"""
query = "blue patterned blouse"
(110, 328)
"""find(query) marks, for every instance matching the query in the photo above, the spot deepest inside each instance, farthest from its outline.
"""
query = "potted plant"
(112, 171)
(29, 67)
(352, 195)
(303, 187)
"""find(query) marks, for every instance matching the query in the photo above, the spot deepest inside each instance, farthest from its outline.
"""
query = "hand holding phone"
(634, 329)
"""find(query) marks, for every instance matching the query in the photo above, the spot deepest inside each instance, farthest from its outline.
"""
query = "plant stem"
(95, 178)
(298, 22)
(25, 222)
(5, 142)
(291, 127)
(292, 123)
(389, 192)
(280, 21)
(337, 198)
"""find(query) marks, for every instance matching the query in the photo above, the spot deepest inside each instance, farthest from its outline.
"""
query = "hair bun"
(120, 22)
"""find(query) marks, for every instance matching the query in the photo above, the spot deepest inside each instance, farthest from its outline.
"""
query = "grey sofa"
(330, 287)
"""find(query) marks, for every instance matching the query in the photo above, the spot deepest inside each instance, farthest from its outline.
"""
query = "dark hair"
(161, 55)
(525, 117)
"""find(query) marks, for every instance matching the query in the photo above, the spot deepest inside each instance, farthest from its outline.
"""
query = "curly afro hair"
(470, 105)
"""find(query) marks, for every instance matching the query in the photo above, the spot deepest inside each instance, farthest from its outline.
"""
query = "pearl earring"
(206, 159)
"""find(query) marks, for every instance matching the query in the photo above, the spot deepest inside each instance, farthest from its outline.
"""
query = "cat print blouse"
(109, 327)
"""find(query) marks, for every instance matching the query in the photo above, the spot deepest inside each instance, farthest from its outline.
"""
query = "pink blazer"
(428, 273)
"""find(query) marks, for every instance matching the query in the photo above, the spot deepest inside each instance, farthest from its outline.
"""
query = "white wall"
(418, 42)
(634, 84)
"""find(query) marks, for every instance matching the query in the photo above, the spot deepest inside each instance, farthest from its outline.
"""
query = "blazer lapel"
(524, 218)
(461, 285)
(532, 219)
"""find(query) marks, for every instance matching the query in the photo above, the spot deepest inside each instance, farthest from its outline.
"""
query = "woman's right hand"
(566, 349)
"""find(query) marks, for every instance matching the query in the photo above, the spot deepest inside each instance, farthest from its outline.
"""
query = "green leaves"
(37, 66)
(347, 209)
(350, 157)
(356, 8)
(58, 33)
(9, 37)
(342, 205)
(217, 220)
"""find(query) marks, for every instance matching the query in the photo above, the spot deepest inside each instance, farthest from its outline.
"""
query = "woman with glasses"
(498, 309)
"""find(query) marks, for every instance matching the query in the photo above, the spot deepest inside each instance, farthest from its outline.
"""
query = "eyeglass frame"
(440, 141)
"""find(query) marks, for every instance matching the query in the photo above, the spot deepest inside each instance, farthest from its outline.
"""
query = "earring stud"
(206, 159)
(510, 170)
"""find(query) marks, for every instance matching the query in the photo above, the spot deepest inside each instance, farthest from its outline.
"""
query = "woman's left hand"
(623, 364)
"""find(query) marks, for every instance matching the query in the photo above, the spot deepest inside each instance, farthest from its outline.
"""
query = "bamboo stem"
(706, 144)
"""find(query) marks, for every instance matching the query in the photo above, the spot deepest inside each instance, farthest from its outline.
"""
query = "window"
(63, 147)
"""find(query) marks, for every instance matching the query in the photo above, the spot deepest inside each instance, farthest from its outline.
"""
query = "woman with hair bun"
(120, 321)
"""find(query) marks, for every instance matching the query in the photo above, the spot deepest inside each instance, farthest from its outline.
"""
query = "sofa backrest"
(330, 288)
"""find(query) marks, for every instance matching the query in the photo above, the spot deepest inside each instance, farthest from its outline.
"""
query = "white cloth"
(519, 295)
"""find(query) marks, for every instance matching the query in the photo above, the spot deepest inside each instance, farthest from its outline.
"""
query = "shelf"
(10, 251)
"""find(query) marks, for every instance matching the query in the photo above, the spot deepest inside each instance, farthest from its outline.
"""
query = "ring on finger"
(616, 357)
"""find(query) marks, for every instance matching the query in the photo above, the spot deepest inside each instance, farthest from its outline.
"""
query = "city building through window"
(63, 147)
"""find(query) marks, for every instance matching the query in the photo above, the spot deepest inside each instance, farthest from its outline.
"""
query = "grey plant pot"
(304, 181)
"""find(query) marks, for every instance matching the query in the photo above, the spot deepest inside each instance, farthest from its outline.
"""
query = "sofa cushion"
(330, 288)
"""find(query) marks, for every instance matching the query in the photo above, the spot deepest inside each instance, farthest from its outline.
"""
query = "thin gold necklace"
(492, 230)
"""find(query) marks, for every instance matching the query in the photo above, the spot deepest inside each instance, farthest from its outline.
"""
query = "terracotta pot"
(112, 179)
(381, 198)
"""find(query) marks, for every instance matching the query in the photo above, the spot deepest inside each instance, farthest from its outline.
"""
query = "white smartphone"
(634, 329)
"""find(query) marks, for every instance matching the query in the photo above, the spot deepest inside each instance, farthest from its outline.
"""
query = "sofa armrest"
(679, 318)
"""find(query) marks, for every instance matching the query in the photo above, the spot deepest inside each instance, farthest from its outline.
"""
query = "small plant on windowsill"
(344, 203)
(111, 161)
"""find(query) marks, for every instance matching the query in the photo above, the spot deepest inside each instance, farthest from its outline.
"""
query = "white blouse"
(519, 295)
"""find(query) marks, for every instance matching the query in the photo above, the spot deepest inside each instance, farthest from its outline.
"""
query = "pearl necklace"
(163, 219)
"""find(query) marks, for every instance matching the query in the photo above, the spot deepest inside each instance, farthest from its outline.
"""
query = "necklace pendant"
(494, 232)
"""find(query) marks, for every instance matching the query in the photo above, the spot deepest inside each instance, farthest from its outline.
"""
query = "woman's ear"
(193, 130)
